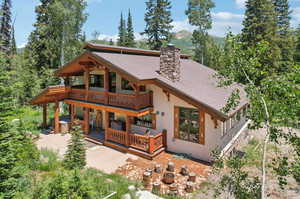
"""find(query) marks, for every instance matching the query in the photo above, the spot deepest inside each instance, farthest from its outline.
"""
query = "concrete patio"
(98, 156)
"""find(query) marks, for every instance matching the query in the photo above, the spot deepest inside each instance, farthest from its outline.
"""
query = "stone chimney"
(170, 63)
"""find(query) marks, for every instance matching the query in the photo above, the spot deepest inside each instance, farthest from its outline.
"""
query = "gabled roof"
(197, 85)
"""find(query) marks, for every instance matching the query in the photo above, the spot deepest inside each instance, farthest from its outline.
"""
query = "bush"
(49, 160)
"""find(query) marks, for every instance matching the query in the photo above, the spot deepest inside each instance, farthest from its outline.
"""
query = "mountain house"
(144, 102)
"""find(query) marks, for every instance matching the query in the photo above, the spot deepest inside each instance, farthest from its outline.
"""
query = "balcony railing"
(114, 99)
(148, 144)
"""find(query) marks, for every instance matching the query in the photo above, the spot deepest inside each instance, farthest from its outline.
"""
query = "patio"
(100, 157)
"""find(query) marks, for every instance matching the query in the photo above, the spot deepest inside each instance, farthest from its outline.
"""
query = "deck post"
(44, 115)
(106, 84)
(151, 145)
(128, 129)
(164, 132)
(56, 117)
(86, 120)
(106, 120)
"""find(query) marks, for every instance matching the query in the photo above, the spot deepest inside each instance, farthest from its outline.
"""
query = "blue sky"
(104, 16)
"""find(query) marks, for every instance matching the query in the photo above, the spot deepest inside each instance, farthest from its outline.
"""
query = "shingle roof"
(197, 81)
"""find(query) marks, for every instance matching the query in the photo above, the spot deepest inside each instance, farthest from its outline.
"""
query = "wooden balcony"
(149, 146)
(135, 102)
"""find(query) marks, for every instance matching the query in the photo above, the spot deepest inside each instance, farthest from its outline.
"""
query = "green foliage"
(274, 96)
(49, 161)
(57, 36)
(17, 155)
(297, 49)
(122, 32)
(158, 23)
(75, 155)
(285, 37)
(5, 26)
(236, 182)
(130, 32)
(199, 15)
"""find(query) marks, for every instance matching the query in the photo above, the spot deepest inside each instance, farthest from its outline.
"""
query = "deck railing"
(116, 136)
(148, 144)
(115, 99)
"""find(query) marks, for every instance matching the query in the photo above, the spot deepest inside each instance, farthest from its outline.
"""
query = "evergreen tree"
(199, 15)
(111, 42)
(57, 36)
(285, 37)
(122, 32)
(13, 48)
(130, 32)
(158, 23)
(15, 147)
(5, 26)
(297, 49)
(260, 24)
(75, 155)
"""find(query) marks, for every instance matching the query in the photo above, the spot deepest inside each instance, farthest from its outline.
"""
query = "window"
(189, 124)
(97, 81)
(145, 121)
(125, 85)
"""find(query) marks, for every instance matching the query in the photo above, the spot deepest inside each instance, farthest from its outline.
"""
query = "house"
(145, 102)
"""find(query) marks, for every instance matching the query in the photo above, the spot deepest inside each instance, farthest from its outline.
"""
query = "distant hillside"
(183, 40)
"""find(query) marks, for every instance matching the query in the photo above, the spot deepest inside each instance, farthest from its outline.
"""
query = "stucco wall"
(165, 120)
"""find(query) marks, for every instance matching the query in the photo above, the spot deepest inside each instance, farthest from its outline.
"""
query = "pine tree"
(285, 37)
(158, 23)
(111, 42)
(260, 25)
(122, 32)
(199, 15)
(297, 49)
(5, 26)
(57, 36)
(130, 32)
(13, 48)
(75, 155)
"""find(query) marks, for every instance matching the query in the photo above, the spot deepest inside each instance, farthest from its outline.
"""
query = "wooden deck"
(145, 146)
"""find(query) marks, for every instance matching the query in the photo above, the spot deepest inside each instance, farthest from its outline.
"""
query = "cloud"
(106, 37)
(222, 21)
(240, 3)
(295, 21)
(93, 1)
(22, 45)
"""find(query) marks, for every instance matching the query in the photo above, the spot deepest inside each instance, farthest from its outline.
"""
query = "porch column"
(128, 129)
(72, 113)
(86, 120)
(106, 121)
(70, 110)
(56, 117)
(44, 115)
(87, 83)
(137, 92)
(106, 84)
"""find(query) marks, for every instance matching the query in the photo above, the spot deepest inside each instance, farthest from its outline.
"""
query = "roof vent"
(170, 63)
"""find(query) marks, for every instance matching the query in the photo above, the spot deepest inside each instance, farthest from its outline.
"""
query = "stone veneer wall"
(170, 63)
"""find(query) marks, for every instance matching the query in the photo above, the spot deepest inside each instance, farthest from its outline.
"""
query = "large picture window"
(97, 81)
(189, 124)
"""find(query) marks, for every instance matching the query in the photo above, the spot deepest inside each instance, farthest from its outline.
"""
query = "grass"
(253, 153)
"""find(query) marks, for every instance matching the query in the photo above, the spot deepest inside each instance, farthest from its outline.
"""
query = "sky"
(104, 16)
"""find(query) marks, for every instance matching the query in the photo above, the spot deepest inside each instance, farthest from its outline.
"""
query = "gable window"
(97, 81)
(187, 124)
(125, 85)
